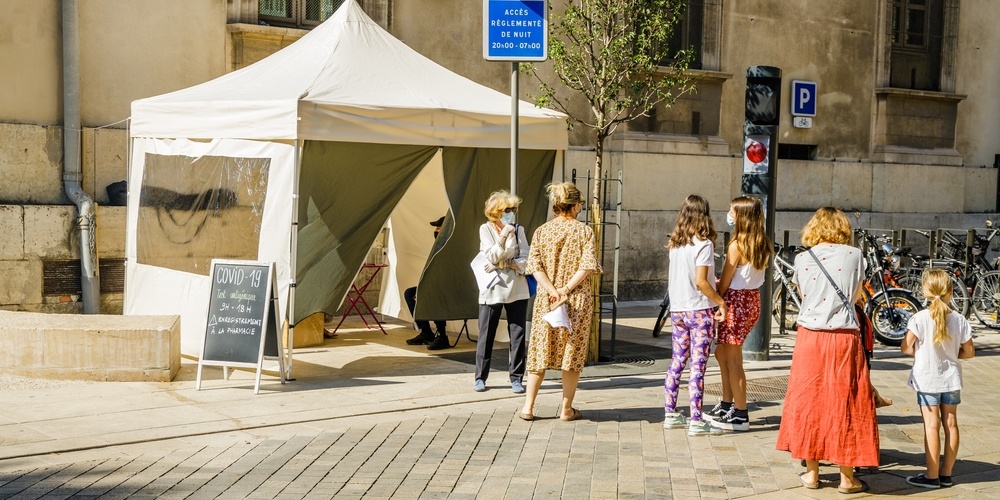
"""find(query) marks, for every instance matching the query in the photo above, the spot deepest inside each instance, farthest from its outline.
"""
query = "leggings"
(692, 338)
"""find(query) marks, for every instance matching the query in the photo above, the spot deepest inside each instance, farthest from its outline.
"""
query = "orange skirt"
(829, 411)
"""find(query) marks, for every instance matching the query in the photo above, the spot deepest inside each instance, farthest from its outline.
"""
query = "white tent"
(301, 158)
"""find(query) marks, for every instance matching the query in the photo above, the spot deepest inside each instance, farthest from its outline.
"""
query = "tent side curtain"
(346, 193)
(447, 288)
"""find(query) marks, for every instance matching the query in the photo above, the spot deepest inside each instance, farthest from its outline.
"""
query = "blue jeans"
(939, 398)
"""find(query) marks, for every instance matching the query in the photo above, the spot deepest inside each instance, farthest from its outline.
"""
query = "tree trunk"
(596, 206)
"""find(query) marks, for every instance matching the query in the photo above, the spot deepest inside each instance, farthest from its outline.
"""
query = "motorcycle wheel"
(890, 317)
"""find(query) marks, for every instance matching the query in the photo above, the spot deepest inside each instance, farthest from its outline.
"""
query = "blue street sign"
(803, 98)
(515, 30)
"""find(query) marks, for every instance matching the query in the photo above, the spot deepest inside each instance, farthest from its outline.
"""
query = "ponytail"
(936, 288)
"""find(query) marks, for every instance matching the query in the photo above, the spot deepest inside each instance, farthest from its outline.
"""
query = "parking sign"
(803, 98)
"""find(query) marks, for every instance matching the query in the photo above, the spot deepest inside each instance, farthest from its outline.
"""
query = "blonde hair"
(748, 233)
(936, 286)
(498, 202)
(694, 219)
(563, 196)
(827, 225)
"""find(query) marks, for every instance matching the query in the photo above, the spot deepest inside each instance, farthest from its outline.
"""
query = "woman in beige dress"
(563, 255)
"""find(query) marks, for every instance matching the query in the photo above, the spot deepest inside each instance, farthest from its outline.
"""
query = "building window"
(687, 33)
(296, 13)
(917, 33)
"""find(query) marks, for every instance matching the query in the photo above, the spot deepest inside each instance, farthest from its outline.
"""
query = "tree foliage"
(609, 52)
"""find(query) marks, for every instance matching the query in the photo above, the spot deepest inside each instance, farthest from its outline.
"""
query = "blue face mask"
(730, 220)
(507, 217)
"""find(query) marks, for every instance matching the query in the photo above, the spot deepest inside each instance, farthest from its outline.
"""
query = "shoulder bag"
(532, 282)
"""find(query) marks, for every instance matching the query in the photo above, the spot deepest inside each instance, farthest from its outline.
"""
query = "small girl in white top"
(937, 338)
(746, 260)
(692, 296)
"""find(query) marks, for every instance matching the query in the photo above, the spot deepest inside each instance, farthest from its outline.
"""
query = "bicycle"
(784, 288)
(888, 305)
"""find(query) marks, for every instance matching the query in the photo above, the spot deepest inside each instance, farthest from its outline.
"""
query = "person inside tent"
(433, 340)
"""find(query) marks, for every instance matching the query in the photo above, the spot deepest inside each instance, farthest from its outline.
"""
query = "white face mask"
(507, 217)
(730, 220)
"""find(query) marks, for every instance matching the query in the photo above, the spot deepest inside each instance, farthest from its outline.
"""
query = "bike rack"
(613, 296)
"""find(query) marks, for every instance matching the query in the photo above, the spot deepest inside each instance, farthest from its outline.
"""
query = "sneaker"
(733, 420)
(479, 386)
(717, 411)
(517, 387)
(420, 339)
(672, 420)
(702, 428)
(922, 481)
(439, 342)
(945, 480)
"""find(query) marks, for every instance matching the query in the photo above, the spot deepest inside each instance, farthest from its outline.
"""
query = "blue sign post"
(515, 30)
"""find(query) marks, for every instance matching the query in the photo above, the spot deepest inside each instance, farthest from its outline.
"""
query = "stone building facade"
(906, 134)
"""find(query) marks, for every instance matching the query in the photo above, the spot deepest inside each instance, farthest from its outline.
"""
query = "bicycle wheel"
(890, 317)
(791, 308)
(663, 317)
(960, 302)
(986, 299)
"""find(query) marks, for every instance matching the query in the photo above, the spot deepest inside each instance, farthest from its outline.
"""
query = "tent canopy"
(313, 149)
(348, 80)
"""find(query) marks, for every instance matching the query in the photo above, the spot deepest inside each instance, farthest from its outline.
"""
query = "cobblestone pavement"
(377, 434)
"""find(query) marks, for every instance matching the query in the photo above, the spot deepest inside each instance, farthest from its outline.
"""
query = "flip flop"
(573, 416)
(525, 416)
(861, 488)
(808, 485)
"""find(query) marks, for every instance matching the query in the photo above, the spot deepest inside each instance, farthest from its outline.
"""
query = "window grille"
(296, 13)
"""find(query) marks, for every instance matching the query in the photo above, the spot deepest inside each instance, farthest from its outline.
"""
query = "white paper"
(483, 277)
(558, 317)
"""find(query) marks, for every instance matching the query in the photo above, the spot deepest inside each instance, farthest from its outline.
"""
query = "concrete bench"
(90, 347)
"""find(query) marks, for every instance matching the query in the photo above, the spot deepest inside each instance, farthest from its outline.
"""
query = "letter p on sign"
(803, 98)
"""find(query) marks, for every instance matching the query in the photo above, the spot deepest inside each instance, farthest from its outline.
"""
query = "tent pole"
(292, 277)
(513, 128)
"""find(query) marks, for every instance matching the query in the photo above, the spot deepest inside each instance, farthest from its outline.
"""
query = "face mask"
(730, 220)
(507, 217)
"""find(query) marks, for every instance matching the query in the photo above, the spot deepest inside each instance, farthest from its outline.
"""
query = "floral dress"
(560, 248)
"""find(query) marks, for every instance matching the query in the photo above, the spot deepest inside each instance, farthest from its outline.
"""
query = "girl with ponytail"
(937, 338)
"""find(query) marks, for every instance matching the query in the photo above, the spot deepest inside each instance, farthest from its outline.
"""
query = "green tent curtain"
(447, 287)
(346, 193)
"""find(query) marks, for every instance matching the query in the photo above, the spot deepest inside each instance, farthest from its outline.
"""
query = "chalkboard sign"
(242, 324)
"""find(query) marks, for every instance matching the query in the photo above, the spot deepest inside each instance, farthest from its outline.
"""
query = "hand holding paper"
(558, 317)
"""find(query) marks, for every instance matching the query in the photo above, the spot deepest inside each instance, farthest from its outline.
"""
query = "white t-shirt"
(822, 308)
(935, 366)
(684, 295)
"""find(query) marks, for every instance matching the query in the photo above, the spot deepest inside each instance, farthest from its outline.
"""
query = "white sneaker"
(674, 420)
(702, 428)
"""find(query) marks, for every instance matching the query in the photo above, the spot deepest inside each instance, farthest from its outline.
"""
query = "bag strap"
(843, 297)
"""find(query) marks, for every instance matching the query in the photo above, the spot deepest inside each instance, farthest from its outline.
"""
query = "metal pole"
(514, 67)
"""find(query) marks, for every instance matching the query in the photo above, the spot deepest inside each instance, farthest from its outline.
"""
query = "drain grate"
(635, 360)
(762, 389)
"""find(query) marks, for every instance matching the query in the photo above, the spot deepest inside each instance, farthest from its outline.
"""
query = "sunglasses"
(510, 210)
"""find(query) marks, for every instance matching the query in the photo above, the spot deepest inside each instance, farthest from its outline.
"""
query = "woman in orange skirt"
(829, 411)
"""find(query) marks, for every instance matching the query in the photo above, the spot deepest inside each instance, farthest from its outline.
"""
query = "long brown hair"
(936, 286)
(748, 233)
(693, 220)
